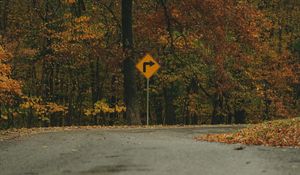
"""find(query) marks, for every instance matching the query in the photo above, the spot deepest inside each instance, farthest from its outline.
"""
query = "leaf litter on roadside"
(280, 133)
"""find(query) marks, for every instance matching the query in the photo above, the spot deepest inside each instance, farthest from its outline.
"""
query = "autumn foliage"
(9, 88)
(222, 62)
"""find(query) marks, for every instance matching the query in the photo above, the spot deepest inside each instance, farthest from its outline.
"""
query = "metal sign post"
(147, 101)
(148, 66)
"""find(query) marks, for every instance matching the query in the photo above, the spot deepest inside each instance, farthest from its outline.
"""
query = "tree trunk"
(4, 13)
(128, 65)
(159, 111)
(93, 83)
(170, 116)
(215, 119)
(240, 116)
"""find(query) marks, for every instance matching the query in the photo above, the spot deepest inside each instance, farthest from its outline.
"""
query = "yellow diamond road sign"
(148, 66)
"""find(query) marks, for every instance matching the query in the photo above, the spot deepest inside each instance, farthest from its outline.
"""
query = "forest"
(72, 62)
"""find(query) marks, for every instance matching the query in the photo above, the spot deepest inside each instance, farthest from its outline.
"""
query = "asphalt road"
(140, 151)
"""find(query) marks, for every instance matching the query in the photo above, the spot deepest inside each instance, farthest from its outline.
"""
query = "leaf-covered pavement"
(14, 133)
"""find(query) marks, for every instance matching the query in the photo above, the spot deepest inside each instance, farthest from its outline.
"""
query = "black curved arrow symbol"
(149, 63)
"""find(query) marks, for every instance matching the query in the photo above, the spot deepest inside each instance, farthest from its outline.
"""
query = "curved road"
(141, 151)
